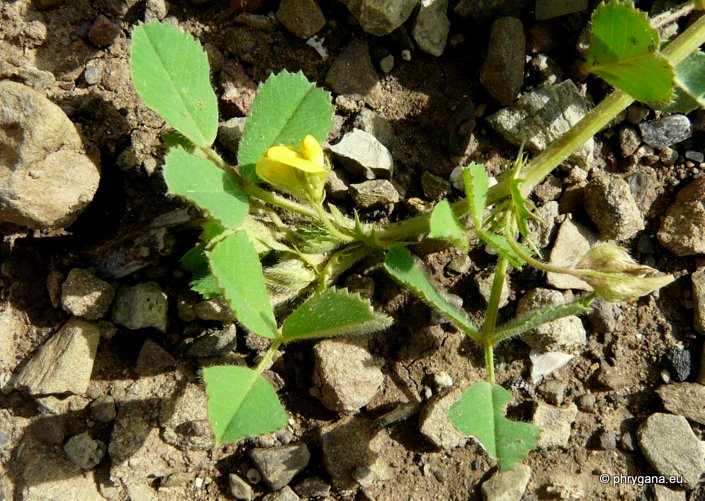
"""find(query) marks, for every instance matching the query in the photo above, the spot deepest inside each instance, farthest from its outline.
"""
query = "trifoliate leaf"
(445, 226)
(241, 403)
(480, 413)
(171, 74)
(333, 312)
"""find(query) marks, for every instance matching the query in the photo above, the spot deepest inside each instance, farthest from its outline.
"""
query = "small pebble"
(406, 55)
(695, 156)
(386, 64)
(92, 75)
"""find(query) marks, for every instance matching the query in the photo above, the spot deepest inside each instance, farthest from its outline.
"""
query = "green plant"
(280, 146)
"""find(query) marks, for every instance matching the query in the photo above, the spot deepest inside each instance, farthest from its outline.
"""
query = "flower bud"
(616, 277)
(300, 173)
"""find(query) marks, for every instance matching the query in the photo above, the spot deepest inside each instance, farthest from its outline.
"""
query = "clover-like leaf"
(236, 267)
(241, 403)
(333, 312)
(171, 74)
(480, 413)
(205, 184)
(400, 264)
(624, 51)
(287, 108)
(445, 226)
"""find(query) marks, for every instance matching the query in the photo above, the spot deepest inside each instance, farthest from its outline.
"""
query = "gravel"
(502, 72)
(363, 156)
(666, 131)
(279, 465)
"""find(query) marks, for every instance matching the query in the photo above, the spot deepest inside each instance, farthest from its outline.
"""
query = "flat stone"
(279, 465)
(46, 180)
(502, 73)
(215, 309)
(507, 485)
(541, 116)
(84, 451)
(564, 333)
(543, 364)
(432, 26)
(215, 342)
(85, 295)
(239, 488)
(683, 229)
(153, 359)
(435, 425)
(543, 230)
(376, 125)
(303, 18)
(685, 399)
(141, 306)
(549, 9)
(363, 155)
(64, 363)
(572, 243)
(353, 74)
(672, 448)
(609, 203)
(345, 374)
(665, 131)
(698, 291)
(374, 193)
(380, 17)
(337, 184)
(555, 423)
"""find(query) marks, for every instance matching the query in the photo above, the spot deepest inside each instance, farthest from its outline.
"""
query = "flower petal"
(294, 159)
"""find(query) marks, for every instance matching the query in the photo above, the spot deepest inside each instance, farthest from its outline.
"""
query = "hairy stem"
(489, 360)
(490, 323)
(330, 227)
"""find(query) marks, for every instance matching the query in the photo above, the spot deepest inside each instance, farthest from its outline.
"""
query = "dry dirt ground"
(426, 100)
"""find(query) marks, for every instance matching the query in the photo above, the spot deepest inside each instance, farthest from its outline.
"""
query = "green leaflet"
(171, 74)
(690, 84)
(477, 183)
(235, 264)
(241, 403)
(205, 184)
(480, 413)
(333, 312)
(500, 245)
(445, 226)
(286, 109)
(400, 264)
(624, 51)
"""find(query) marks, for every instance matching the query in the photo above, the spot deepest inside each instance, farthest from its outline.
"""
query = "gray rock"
(434, 187)
(313, 487)
(352, 73)
(665, 131)
(45, 179)
(215, 309)
(184, 419)
(155, 9)
(672, 448)
(64, 363)
(49, 430)
(92, 74)
(103, 409)
(502, 73)
(610, 205)
(683, 229)
(284, 494)
(603, 316)
(153, 359)
(363, 155)
(85, 295)
(435, 425)
(84, 451)
(507, 485)
(698, 291)
(572, 243)
(549, 190)
(695, 156)
(663, 493)
(380, 17)
(484, 278)
(345, 374)
(486, 10)
(303, 18)
(567, 332)
(432, 26)
(541, 116)
(644, 187)
(555, 424)
(629, 140)
(679, 362)
(375, 193)
(460, 264)
(141, 306)
(386, 64)
(240, 489)
(230, 133)
(278, 465)
(548, 9)
(215, 342)
(543, 230)
(685, 399)
(553, 390)
(376, 125)
(337, 184)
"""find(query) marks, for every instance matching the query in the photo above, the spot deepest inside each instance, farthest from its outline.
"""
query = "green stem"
(330, 227)
(489, 361)
(272, 198)
(267, 358)
(500, 274)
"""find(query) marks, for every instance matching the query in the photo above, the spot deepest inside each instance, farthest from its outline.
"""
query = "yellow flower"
(300, 173)
(616, 277)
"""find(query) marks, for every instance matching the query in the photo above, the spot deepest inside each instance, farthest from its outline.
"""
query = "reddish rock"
(103, 31)
(239, 89)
